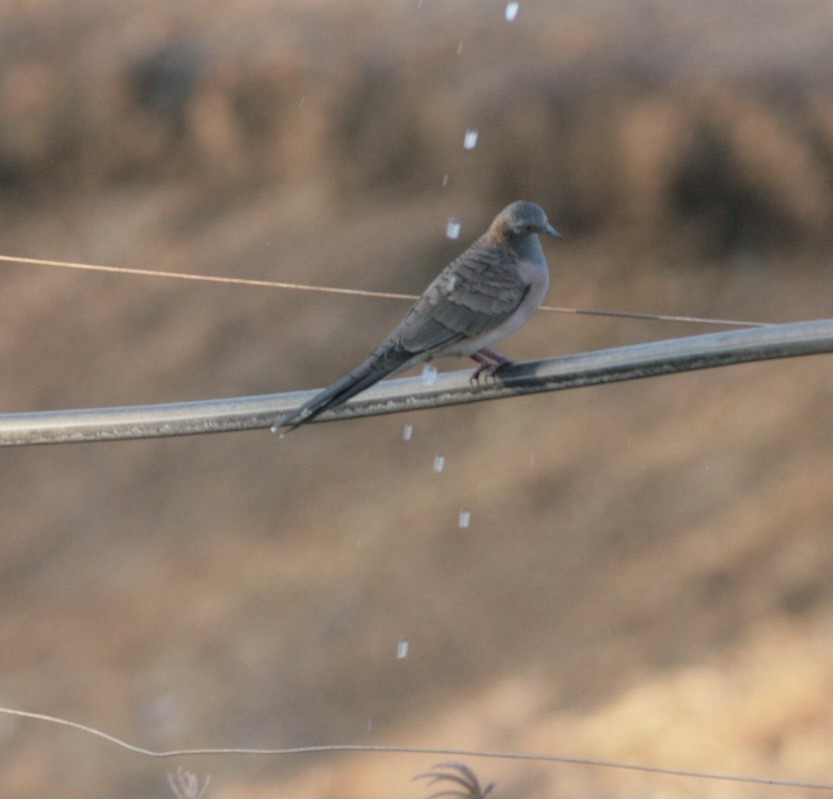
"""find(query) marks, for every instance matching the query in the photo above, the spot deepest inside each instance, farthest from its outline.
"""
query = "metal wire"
(408, 394)
(275, 284)
(415, 750)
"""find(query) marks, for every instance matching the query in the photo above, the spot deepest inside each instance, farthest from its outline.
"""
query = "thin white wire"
(417, 750)
(240, 281)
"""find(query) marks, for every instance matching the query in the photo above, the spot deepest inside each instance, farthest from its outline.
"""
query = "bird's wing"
(471, 296)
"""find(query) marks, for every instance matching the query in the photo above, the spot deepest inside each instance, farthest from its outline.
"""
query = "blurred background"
(647, 574)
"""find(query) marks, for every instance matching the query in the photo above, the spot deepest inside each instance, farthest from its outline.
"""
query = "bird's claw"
(488, 370)
(490, 362)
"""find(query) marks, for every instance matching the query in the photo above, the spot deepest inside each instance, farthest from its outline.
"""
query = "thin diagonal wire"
(387, 295)
(418, 750)
(239, 281)
(451, 388)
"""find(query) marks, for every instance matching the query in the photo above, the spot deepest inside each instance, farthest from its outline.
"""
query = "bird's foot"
(490, 362)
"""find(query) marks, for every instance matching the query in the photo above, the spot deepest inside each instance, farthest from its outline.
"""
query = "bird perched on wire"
(480, 298)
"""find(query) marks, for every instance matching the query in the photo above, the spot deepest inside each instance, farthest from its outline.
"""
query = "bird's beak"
(552, 231)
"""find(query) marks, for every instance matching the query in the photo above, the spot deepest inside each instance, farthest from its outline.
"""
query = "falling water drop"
(439, 463)
(464, 518)
(459, 48)
(446, 179)
(512, 10)
(429, 374)
(470, 139)
(452, 229)
(402, 649)
(407, 432)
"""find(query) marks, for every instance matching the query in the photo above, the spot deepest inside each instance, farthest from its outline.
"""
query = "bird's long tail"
(379, 365)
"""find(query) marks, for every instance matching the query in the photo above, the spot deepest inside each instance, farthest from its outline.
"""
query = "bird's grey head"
(521, 219)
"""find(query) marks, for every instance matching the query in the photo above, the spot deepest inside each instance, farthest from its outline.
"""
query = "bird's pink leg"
(490, 361)
(499, 358)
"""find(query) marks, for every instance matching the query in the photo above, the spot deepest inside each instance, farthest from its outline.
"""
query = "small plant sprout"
(186, 784)
(459, 774)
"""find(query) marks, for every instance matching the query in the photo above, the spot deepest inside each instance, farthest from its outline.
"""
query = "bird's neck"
(527, 247)
(498, 234)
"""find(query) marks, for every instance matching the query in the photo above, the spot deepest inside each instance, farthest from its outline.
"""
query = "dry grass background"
(647, 574)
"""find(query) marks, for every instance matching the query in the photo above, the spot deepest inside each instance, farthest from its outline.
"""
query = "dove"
(479, 299)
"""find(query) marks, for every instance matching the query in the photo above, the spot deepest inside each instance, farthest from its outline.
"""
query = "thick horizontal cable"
(451, 388)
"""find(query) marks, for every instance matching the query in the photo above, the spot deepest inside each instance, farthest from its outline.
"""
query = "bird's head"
(522, 219)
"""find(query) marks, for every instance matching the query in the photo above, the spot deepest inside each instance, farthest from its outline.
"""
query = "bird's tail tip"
(289, 422)
(282, 428)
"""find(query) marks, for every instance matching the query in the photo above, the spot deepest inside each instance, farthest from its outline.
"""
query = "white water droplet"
(470, 139)
(402, 649)
(439, 463)
(459, 48)
(407, 432)
(446, 179)
(512, 10)
(464, 519)
(451, 283)
(452, 229)
(429, 374)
